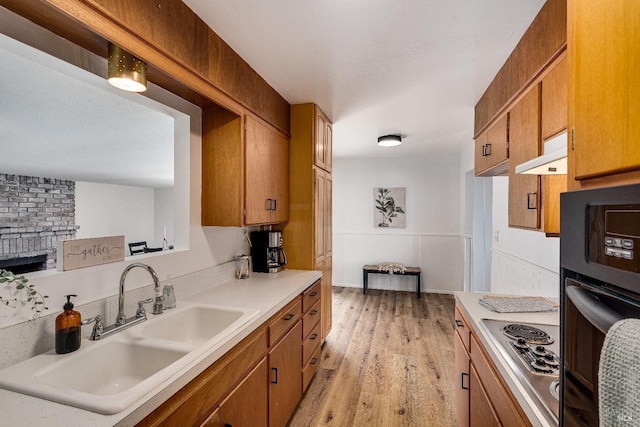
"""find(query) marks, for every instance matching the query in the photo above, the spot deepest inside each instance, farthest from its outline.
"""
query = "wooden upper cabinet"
(604, 66)
(554, 100)
(524, 135)
(245, 173)
(267, 177)
(553, 120)
(492, 149)
(323, 141)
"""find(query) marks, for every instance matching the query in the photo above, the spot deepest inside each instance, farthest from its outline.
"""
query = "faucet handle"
(140, 312)
(98, 328)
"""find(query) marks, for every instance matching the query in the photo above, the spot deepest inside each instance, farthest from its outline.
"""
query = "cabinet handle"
(459, 323)
(228, 425)
(289, 316)
(273, 206)
(313, 294)
(268, 207)
(486, 150)
(313, 337)
(532, 200)
(313, 312)
(314, 361)
(275, 370)
(463, 386)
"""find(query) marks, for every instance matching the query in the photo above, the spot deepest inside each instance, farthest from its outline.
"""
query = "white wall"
(523, 262)
(114, 210)
(432, 236)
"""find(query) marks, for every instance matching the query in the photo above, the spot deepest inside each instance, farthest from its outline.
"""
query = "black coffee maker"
(267, 252)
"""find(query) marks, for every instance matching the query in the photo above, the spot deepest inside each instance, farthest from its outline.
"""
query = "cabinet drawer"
(503, 403)
(311, 368)
(463, 329)
(310, 344)
(310, 296)
(285, 320)
(310, 320)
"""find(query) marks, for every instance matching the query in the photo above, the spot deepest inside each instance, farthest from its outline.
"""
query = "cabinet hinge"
(573, 139)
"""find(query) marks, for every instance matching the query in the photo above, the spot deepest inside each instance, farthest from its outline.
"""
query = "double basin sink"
(108, 375)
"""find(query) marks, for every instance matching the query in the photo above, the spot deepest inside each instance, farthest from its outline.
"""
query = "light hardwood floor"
(388, 361)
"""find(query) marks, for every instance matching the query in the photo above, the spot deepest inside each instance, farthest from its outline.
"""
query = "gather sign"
(81, 253)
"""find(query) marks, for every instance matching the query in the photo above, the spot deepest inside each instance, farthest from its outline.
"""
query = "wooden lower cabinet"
(260, 381)
(237, 410)
(481, 412)
(482, 399)
(285, 386)
(463, 363)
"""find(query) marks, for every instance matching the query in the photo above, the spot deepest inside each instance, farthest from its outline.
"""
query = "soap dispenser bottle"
(68, 328)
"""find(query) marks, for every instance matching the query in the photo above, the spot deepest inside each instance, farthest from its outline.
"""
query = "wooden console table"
(408, 271)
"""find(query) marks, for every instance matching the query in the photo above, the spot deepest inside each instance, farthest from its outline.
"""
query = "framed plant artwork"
(388, 207)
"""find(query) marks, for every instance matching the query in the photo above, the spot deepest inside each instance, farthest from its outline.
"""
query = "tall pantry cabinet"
(307, 235)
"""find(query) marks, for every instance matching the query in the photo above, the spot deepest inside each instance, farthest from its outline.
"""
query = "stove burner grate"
(530, 334)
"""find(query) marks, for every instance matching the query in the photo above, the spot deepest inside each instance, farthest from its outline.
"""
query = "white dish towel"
(619, 375)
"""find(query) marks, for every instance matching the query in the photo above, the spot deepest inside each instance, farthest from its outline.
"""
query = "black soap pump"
(68, 328)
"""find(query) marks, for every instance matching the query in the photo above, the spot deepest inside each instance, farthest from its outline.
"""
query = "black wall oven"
(600, 284)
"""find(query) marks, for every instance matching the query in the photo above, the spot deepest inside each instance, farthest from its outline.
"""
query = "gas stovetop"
(532, 351)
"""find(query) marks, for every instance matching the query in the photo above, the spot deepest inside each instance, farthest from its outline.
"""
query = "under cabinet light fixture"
(389, 140)
(125, 71)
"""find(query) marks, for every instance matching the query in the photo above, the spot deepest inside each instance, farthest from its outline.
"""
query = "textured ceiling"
(413, 67)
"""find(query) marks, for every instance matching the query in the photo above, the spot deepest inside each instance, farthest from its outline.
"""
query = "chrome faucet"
(100, 331)
(121, 319)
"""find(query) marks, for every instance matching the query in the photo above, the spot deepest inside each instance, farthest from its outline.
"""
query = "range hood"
(552, 162)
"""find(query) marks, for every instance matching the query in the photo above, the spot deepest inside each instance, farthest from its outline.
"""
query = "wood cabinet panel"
(323, 141)
(285, 386)
(310, 344)
(554, 111)
(524, 135)
(461, 382)
(308, 234)
(310, 368)
(267, 177)
(223, 168)
(194, 403)
(605, 91)
(311, 296)
(481, 412)
(492, 149)
(247, 404)
(285, 320)
(500, 398)
(311, 319)
(462, 328)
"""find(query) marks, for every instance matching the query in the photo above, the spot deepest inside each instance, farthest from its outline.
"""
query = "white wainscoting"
(443, 258)
(516, 276)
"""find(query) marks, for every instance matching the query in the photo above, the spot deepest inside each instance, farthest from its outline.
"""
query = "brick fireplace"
(35, 213)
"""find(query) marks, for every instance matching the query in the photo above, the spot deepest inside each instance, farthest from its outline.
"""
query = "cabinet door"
(247, 405)
(267, 177)
(604, 66)
(492, 149)
(285, 377)
(327, 296)
(319, 195)
(461, 382)
(328, 215)
(320, 151)
(481, 412)
(554, 110)
(328, 146)
(524, 190)
(553, 120)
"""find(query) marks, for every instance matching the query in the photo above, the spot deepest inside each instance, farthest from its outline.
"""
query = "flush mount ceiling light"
(389, 140)
(125, 71)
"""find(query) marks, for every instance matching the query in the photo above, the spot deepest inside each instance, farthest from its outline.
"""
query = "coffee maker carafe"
(267, 252)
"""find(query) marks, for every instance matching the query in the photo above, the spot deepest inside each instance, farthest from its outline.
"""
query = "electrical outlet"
(496, 236)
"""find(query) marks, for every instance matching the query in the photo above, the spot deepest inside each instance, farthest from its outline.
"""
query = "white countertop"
(265, 292)
(468, 304)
